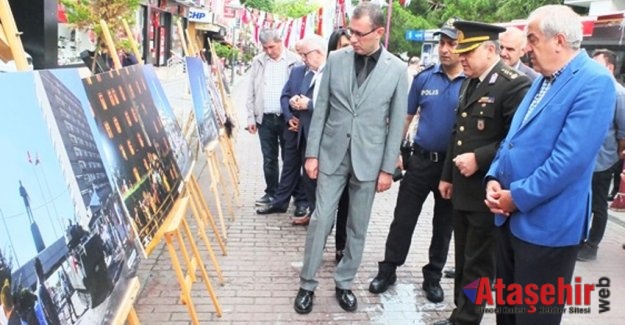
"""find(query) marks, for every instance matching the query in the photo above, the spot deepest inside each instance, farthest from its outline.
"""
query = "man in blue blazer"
(539, 183)
(301, 101)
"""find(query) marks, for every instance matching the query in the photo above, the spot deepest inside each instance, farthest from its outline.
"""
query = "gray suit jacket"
(528, 71)
(368, 120)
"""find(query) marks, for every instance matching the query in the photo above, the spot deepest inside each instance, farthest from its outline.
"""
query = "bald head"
(512, 43)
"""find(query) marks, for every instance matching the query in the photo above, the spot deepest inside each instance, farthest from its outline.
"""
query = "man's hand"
(384, 181)
(311, 166)
(498, 200)
(251, 128)
(466, 163)
(293, 124)
(446, 189)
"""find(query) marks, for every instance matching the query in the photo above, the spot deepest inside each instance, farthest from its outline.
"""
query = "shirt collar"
(556, 74)
(483, 75)
(375, 55)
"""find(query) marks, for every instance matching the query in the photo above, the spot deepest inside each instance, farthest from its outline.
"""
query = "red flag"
(302, 31)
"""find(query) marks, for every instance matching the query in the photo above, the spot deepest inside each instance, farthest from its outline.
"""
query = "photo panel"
(180, 146)
(137, 147)
(206, 119)
(68, 250)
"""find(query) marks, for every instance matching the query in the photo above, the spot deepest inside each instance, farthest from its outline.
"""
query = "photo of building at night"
(137, 147)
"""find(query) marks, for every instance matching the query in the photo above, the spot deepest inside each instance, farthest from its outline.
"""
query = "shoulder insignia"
(509, 73)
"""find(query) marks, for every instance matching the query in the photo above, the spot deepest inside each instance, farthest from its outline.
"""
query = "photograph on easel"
(180, 146)
(137, 148)
(66, 247)
(216, 100)
(206, 119)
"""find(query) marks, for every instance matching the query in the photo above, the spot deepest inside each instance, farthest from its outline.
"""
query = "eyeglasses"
(306, 54)
(358, 34)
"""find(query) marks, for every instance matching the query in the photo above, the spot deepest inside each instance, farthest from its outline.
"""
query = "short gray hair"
(316, 42)
(494, 43)
(269, 35)
(373, 11)
(516, 34)
(559, 19)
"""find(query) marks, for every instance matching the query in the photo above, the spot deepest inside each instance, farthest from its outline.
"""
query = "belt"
(433, 156)
(272, 114)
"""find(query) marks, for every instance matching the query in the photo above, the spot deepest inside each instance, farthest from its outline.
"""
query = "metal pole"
(389, 13)
(6, 228)
(233, 57)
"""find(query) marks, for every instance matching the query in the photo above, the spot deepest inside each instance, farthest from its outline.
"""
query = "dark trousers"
(271, 135)
(341, 220)
(600, 188)
(422, 177)
(310, 187)
(290, 177)
(616, 177)
(523, 263)
(475, 237)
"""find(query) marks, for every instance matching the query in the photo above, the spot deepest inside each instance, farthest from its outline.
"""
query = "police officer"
(488, 99)
(435, 92)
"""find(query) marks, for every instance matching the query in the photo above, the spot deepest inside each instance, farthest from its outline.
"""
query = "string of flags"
(330, 15)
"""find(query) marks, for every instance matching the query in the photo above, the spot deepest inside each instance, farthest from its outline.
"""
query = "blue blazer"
(547, 162)
(294, 87)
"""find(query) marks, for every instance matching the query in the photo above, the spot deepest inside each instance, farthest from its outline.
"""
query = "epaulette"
(509, 73)
(426, 68)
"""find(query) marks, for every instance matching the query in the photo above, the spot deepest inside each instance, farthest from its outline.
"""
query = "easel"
(226, 152)
(10, 44)
(127, 312)
(173, 231)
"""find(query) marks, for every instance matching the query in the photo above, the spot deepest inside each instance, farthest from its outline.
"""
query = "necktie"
(471, 88)
(362, 74)
(306, 82)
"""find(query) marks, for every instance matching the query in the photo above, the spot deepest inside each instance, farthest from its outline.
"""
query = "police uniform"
(483, 118)
(437, 97)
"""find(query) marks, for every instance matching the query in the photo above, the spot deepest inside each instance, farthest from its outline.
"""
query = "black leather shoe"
(270, 208)
(381, 282)
(339, 256)
(300, 211)
(346, 299)
(265, 199)
(433, 291)
(444, 322)
(304, 301)
(450, 273)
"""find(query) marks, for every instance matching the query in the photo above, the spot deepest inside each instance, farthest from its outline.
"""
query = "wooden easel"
(127, 313)
(11, 47)
(215, 177)
(173, 231)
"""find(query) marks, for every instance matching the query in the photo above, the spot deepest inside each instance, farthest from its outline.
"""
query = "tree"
(401, 21)
(264, 5)
(86, 14)
(294, 8)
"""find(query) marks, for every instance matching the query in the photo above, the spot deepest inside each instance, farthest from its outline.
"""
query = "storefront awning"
(212, 28)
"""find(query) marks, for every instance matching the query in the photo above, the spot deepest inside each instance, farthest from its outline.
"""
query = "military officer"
(488, 99)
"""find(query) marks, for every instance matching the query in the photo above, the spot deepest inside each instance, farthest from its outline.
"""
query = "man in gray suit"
(355, 135)
(512, 43)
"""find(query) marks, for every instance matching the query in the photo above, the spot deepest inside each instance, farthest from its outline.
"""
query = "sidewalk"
(265, 254)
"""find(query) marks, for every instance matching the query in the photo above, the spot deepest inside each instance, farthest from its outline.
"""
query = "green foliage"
(264, 5)
(225, 51)
(86, 14)
(294, 8)
(401, 21)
